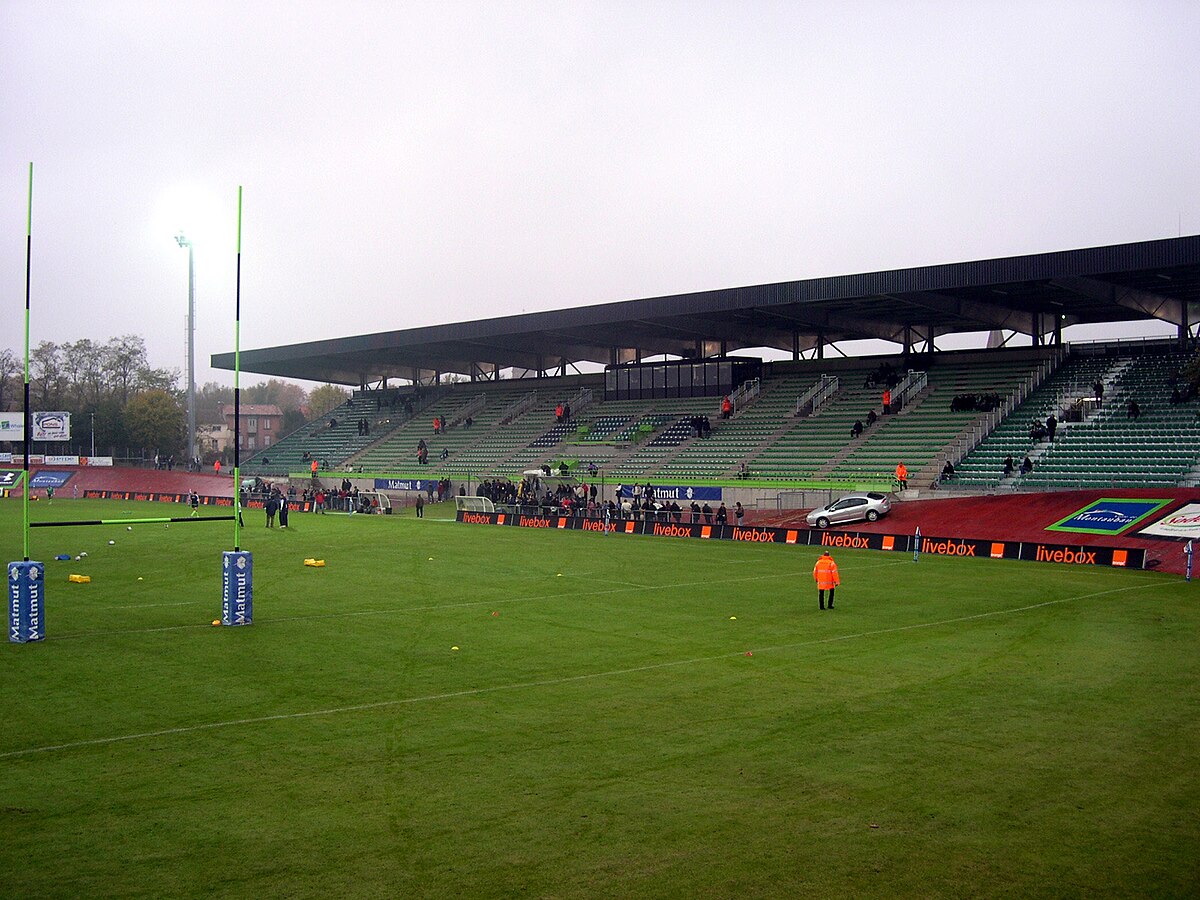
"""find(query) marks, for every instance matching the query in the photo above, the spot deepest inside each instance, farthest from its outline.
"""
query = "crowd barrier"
(1076, 554)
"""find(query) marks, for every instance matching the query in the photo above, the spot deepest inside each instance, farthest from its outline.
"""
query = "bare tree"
(11, 379)
(47, 376)
(123, 358)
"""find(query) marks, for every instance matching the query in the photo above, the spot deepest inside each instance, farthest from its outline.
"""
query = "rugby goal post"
(474, 504)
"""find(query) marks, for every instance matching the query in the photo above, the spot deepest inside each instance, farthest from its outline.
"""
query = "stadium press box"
(26, 602)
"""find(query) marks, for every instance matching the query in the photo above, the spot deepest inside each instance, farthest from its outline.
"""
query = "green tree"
(328, 396)
(155, 420)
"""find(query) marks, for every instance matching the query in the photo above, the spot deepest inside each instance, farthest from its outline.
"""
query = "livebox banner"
(1133, 558)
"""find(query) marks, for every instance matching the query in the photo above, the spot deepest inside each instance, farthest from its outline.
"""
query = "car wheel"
(822, 522)
(872, 515)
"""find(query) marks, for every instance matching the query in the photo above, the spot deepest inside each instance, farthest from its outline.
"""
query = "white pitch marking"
(548, 682)
(466, 604)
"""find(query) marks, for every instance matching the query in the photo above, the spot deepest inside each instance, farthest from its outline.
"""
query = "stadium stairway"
(1104, 447)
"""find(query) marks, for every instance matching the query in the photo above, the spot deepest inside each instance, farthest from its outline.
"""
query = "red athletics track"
(113, 478)
(1020, 517)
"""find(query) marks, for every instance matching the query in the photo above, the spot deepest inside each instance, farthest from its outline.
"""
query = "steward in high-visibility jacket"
(902, 476)
(825, 574)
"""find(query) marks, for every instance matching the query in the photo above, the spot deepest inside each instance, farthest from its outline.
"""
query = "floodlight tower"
(183, 241)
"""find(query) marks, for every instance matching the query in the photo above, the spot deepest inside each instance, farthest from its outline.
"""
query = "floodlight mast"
(183, 241)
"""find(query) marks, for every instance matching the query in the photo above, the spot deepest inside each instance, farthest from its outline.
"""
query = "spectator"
(722, 514)
(726, 407)
(871, 417)
(738, 513)
(887, 402)
(1098, 389)
(856, 429)
(1008, 465)
(1051, 426)
(947, 471)
(1026, 465)
(1134, 410)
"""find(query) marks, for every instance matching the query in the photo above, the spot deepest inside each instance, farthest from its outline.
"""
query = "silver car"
(851, 508)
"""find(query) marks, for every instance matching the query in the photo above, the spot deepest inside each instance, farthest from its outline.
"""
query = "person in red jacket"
(902, 476)
(726, 408)
(825, 574)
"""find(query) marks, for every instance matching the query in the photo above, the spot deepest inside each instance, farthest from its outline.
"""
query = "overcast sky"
(409, 164)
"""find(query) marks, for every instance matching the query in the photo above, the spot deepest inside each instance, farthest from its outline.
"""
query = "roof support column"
(1185, 324)
(820, 348)
(795, 345)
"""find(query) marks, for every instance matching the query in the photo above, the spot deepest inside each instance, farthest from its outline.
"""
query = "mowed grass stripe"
(1044, 752)
(565, 679)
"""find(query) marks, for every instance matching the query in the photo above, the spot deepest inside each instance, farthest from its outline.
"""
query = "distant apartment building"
(261, 425)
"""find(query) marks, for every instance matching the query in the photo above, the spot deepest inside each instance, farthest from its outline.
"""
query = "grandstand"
(791, 425)
(513, 427)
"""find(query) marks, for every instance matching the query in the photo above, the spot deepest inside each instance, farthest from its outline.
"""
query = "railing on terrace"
(817, 396)
(521, 405)
(745, 394)
(473, 408)
(978, 433)
(581, 401)
(912, 384)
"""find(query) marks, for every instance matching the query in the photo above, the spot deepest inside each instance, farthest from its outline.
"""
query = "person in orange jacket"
(825, 574)
(902, 475)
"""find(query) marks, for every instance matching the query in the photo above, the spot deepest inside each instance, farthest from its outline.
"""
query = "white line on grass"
(152, 605)
(547, 682)
(402, 610)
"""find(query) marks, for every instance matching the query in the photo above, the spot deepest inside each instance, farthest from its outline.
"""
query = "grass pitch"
(606, 727)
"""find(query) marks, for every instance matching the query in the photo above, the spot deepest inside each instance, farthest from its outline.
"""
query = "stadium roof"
(1035, 295)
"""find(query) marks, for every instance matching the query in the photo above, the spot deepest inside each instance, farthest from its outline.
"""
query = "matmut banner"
(1132, 558)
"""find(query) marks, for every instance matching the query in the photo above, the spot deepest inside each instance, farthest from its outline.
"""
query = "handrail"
(816, 396)
(476, 405)
(581, 401)
(522, 404)
(745, 394)
(912, 384)
(978, 433)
